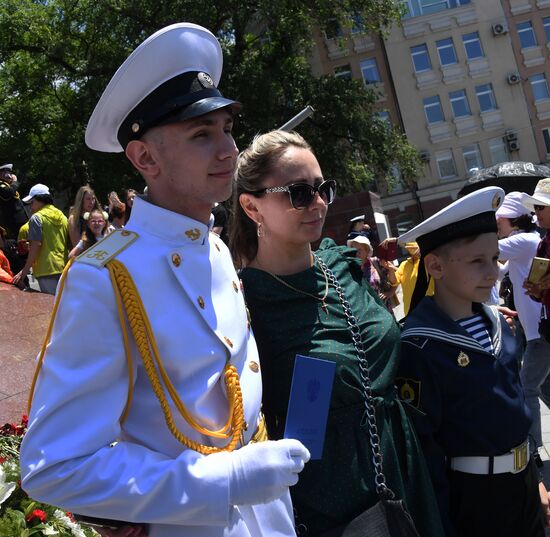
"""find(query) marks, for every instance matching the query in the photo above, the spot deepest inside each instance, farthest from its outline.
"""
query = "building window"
(384, 116)
(546, 22)
(415, 8)
(446, 164)
(459, 103)
(433, 110)
(358, 26)
(421, 58)
(472, 157)
(446, 51)
(333, 29)
(546, 136)
(526, 34)
(343, 71)
(472, 46)
(369, 69)
(486, 97)
(539, 87)
(497, 148)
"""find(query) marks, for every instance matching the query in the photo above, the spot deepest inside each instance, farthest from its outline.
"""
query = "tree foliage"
(58, 55)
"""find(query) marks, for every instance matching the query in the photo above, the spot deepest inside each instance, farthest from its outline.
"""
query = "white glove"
(262, 472)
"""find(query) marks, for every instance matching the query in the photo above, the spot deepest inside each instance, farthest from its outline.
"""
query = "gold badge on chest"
(193, 234)
(463, 359)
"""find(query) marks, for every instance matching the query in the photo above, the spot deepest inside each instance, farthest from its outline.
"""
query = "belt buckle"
(520, 454)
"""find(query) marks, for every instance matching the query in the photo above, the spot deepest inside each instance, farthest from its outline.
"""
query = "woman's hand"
(532, 289)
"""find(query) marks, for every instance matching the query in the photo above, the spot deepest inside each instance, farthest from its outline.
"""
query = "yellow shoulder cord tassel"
(145, 341)
(49, 335)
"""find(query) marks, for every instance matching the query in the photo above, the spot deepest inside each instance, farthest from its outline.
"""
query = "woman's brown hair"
(253, 165)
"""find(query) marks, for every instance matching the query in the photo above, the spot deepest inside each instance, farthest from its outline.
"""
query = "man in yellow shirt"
(406, 275)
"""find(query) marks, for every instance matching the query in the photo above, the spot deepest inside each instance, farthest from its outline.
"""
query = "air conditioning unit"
(514, 78)
(511, 135)
(424, 156)
(499, 28)
(513, 145)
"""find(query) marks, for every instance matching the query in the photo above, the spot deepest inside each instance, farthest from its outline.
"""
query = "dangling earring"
(260, 231)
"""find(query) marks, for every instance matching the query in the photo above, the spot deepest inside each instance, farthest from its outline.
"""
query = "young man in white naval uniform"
(91, 450)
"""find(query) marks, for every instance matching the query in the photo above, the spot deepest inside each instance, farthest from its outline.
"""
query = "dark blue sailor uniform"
(471, 400)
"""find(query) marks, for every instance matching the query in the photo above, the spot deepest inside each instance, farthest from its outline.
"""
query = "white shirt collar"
(166, 224)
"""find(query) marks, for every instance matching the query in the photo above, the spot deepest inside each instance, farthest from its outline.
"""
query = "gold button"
(200, 300)
(124, 233)
(217, 247)
(176, 259)
(254, 366)
(228, 341)
(135, 127)
(235, 287)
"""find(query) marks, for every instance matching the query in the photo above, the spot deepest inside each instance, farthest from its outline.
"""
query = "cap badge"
(193, 234)
(496, 201)
(463, 359)
(135, 127)
(205, 80)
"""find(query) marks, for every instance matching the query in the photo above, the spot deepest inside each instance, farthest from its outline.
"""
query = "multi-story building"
(464, 79)
(528, 25)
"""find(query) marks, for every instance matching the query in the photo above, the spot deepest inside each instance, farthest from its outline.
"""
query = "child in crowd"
(459, 367)
(97, 227)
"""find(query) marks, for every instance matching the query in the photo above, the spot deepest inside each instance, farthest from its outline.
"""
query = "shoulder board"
(107, 248)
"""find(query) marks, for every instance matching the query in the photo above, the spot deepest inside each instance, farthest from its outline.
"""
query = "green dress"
(337, 488)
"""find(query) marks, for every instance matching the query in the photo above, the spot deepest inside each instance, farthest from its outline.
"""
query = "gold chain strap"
(143, 335)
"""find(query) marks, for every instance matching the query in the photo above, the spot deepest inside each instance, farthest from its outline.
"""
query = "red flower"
(70, 515)
(3, 459)
(37, 513)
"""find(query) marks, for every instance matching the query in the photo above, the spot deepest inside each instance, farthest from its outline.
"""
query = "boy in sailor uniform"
(147, 404)
(459, 368)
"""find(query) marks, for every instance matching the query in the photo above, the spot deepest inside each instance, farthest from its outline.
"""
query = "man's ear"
(434, 265)
(249, 204)
(143, 158)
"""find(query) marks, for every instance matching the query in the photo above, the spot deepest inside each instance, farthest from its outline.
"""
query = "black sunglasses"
(302, 195)
(539, 207)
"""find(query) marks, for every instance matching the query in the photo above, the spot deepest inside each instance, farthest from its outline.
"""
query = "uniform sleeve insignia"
(107, 248)
(408, 390)
(463, 359)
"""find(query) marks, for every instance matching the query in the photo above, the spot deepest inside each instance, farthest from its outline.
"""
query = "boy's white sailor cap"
(172, 76)
(471, 215)
(6, 167)
(357, 218)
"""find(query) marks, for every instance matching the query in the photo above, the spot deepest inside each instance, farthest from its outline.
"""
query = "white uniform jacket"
(192, 296)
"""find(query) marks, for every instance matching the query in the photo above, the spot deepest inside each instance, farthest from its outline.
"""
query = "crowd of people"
(36, 236)
(185, 367)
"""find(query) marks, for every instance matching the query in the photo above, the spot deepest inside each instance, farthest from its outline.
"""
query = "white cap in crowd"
(172, 76)
(541, 196)
(37, 190)
(512, 206)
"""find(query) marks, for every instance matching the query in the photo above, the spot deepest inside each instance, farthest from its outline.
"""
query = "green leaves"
(57, 56)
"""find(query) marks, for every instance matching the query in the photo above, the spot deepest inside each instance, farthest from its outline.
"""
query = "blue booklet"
(308, 406)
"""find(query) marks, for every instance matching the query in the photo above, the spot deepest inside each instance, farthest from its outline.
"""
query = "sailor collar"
(168, 225)
(421, 324)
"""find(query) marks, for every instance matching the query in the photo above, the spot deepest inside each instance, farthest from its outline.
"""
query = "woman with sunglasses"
(279, 208)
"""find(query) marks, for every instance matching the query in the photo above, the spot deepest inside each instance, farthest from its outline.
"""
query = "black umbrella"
(510, 176)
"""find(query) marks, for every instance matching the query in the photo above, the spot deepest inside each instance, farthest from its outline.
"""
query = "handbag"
(388, 517)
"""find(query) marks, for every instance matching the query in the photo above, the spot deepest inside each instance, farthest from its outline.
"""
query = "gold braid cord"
(128, 298)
